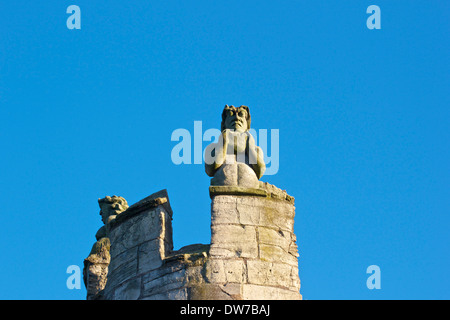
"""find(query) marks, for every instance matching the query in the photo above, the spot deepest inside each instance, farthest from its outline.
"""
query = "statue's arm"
(256, 157)
(259, 167)
(215, 155)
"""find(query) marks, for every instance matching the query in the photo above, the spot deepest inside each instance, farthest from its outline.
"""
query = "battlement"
(252, 255)
(253, 251)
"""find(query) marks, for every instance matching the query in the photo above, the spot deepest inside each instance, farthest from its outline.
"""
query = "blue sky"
(363, 117)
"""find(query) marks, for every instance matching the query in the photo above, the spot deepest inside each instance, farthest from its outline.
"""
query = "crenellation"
(253, 252)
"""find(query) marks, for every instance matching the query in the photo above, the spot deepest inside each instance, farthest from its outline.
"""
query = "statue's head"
(110, 207)
(237, 119)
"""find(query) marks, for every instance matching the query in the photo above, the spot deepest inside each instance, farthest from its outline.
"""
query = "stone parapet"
(253, 251)
(141, 238)
(252, 255)
(253, 245)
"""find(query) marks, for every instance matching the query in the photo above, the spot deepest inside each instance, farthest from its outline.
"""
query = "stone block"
(278, 215)
(168, 282)
(123, 257)
(274, 237)
(225, 271)
(233, 241)
(130, 290)
(195, 275)
(227, 199)
(224, 213)
(257, 292)
(295, 279)
(145, 226)
(215, 271)
(272, 253)
(235, 270)
(209, 291)
(234, 290)
(122, 273)
(164, 270)
(179, 294)
(234, 213)
(249, 214)
(150, 255)
(269, 273)
(131, 233)
(96, 277)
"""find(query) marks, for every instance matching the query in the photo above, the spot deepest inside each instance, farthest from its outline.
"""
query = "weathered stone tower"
(252, 254)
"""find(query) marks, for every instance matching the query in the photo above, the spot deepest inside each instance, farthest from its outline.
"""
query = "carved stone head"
(237, 119)
(110, 207)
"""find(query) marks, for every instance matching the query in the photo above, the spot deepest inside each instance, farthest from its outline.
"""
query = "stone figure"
(110, 207)
(95, 269)
(252, 255)
(236, 147)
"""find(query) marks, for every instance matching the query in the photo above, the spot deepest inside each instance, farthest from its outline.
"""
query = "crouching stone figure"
(235, 160)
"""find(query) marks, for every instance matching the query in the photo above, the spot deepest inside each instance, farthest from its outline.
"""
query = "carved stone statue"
(96, 264)
(228, 160)
(110, 207)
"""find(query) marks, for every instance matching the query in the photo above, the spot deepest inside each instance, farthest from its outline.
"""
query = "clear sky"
(363, 119)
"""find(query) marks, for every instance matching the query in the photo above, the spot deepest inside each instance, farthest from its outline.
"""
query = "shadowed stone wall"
(252, 255)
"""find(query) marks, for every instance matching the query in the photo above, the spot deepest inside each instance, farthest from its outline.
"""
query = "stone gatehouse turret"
(252, 254)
